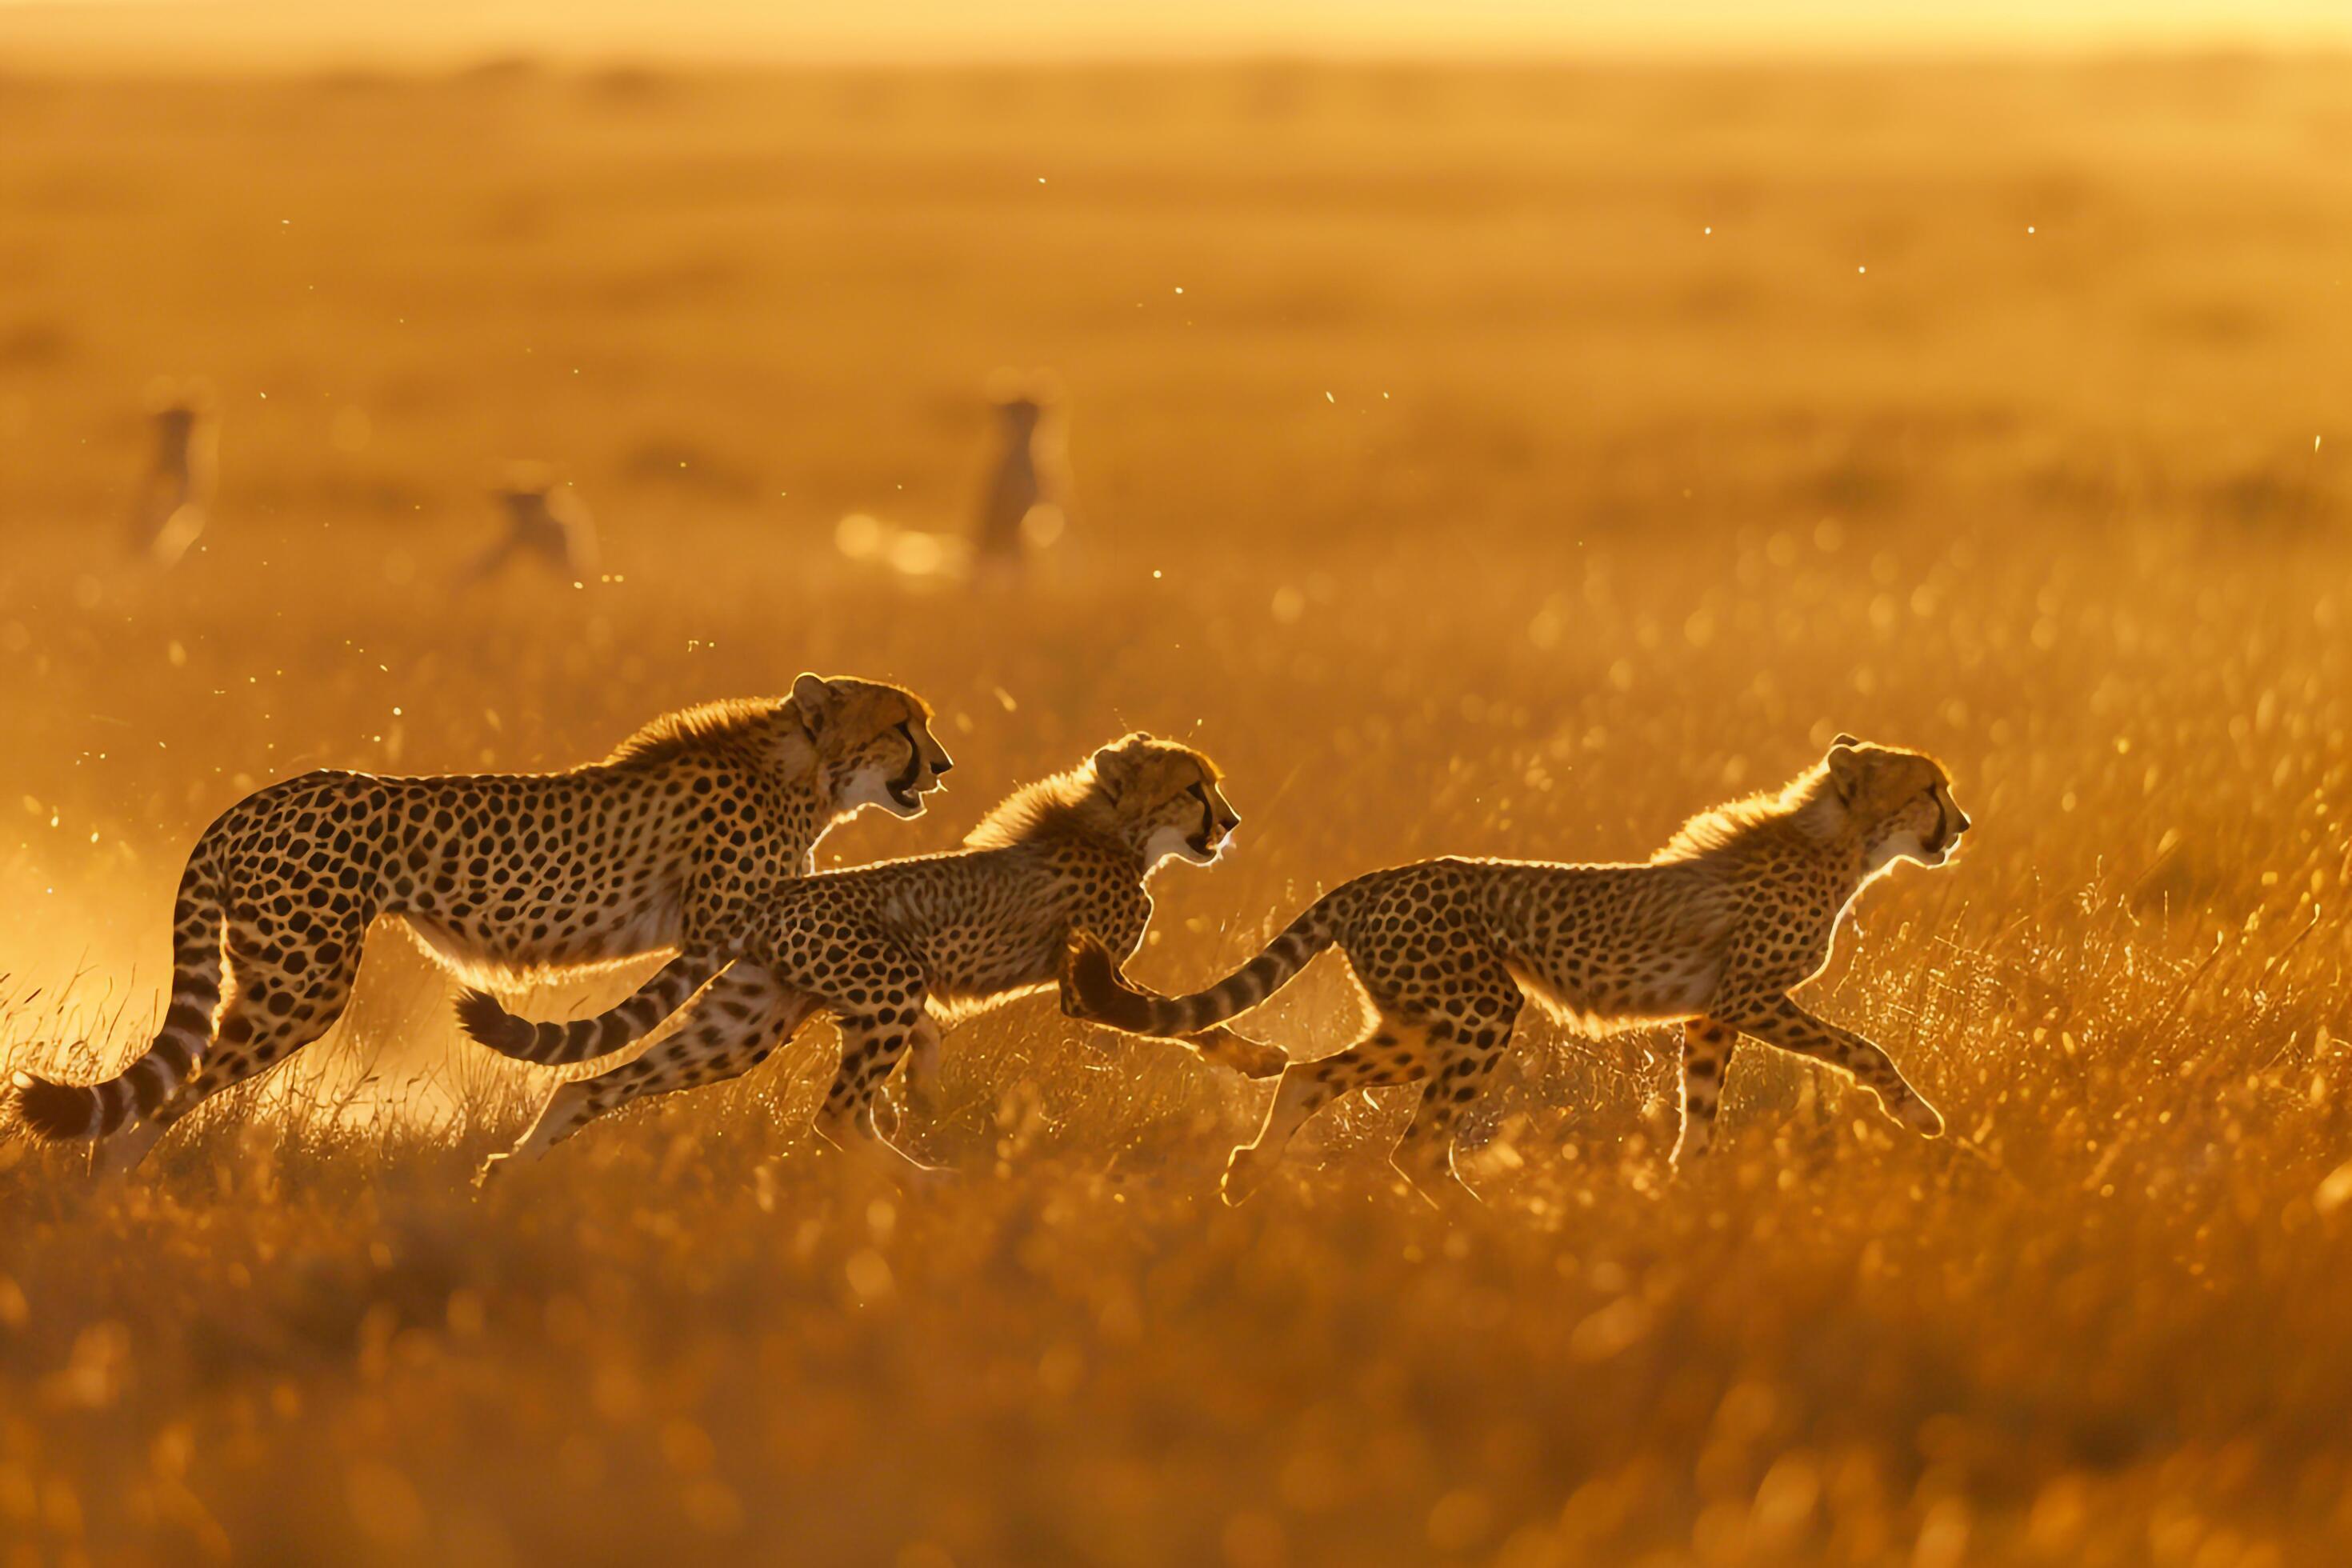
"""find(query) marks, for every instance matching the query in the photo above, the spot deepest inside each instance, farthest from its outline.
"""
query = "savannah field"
(1503, 460)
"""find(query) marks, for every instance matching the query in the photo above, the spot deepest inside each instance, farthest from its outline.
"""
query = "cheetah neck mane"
(1067, 804)
(692, 729)
(1805, 806)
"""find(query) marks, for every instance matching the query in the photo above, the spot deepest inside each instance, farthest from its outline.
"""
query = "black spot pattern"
(675, 841)
(892, 951)
(1717, 930)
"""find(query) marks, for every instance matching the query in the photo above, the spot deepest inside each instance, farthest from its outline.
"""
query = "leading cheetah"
(896, 949)
(669, 843)
(1736, 912)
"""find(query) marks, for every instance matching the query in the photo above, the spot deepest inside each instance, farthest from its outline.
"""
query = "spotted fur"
(895, 951)
(1714, 930)
(671, 843)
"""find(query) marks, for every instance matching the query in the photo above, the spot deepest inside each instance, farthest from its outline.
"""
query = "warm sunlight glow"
(1241, 784)
(940, 30)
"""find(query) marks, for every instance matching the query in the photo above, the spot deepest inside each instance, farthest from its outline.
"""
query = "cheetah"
(1023, 507)
(900, 949)
(1022, 504)
(174, 495)
(1716, 930)
(668, 844)
(546, 523)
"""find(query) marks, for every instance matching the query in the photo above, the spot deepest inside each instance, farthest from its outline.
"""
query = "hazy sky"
(949, 29)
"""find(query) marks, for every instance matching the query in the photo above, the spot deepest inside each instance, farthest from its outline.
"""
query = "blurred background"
(1493, 429)
(300, 32)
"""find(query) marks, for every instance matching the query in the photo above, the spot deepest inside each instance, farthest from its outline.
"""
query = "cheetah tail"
(60, 1113)
(1095, 988)
(482, 1016)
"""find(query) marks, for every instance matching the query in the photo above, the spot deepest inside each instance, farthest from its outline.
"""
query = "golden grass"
(1470, 497)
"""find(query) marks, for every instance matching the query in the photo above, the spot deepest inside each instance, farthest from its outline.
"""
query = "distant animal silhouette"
(174, 497)
(1022, 509)
(546, 523)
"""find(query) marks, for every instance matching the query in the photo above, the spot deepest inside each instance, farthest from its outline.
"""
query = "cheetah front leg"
(1778, 1021)
(1707, 1054)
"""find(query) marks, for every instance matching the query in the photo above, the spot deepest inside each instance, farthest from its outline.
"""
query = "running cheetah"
(896, 951)
(1716, 929)
(669, 843)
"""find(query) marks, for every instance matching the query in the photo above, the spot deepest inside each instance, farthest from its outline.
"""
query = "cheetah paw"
(1688, 1154)
(1245, 1174)
(1921, 1117)
(1251, 1058)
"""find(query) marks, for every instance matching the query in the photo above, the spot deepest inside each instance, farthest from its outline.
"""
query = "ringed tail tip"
(54, 1113)
(482, 1016)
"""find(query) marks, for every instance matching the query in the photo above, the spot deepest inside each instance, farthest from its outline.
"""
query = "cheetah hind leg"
(568, 1108)
(126, 1150)
(1463, 1050)
(1707, 1052)
(918, 1085)
(269, 1016)
(713, 1047)
(1424, 1155)
(1383, 1056)
(846, 1121)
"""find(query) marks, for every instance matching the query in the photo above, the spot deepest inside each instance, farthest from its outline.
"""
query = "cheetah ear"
(1845, 740)
(1115, 763)
(813, 696)
(1846, 767)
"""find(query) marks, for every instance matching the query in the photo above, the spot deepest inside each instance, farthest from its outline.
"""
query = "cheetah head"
(179, 409)
(1021, 415)
(1165, 799)
(1900, 801)
(873, 743)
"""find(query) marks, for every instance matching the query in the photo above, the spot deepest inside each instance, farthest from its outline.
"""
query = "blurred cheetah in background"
(174, 497)
(898, 950)
(546, 523)
(675, 841)
(1740, 908)
(1023, 507)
